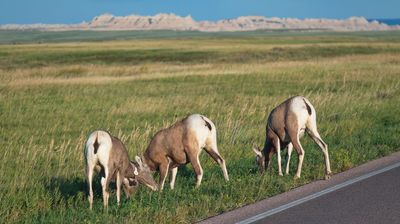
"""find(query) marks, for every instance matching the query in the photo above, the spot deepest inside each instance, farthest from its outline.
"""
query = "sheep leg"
(324, 147)
(296, 144)
(119, 182)
(213, 152)
(277, 146)
(289, 153)
(105, 181)
(125, 185)
(293, 130)
(89, 174)
(163, 173)
(173, 177)
(299, 148)
(194, 159)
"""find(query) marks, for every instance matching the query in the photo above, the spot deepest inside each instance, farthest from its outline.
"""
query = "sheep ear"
(256, 150)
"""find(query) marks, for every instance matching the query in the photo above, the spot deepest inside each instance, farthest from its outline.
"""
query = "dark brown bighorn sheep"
(285, 126)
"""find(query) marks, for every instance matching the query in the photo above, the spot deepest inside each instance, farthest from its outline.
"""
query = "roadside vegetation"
(53, 94)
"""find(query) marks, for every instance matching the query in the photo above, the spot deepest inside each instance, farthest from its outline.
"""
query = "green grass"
(47, 56)
(271, 36)
(53, 95)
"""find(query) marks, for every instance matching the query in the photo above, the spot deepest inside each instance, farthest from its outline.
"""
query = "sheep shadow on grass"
(64, 189)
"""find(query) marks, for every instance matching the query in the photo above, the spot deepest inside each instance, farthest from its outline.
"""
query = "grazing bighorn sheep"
(145, 175)
(285, 126)
(180, 144)
(108, 154)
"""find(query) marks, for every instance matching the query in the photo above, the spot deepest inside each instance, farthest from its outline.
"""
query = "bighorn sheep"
(108, 154)
(285, 126)
(145, 175)
(180, 144)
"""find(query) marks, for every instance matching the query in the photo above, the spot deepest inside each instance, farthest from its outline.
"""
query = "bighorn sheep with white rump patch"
(180, 144)
(285, 126)
(108, 154)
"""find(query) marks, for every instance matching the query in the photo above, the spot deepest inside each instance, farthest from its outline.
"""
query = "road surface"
(366, 194)
(373, 200)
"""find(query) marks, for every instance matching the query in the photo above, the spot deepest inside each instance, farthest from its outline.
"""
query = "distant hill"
(174, 22)
(390, 22)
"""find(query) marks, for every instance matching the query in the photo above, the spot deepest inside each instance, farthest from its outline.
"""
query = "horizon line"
(189, 15)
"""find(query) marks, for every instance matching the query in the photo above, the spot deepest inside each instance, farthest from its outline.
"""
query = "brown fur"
(279, 121)
(167, 143)
(118, 167)
(282, 129)
(119, 162)
(119, 159)
(174, 146)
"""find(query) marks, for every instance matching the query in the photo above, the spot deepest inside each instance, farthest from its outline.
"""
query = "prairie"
(53, 93)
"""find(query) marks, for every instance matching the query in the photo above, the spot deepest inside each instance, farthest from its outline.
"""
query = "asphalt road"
(373, 200)
(369, 193)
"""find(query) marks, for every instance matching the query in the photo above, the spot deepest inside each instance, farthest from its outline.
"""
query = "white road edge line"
(316, 195)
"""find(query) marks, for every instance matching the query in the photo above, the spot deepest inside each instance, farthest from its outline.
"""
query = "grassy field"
(53, 94)
(42, 37)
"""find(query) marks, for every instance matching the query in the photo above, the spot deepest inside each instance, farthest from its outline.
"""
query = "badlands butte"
(174, 22)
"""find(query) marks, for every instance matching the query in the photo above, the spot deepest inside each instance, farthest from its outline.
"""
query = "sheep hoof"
(328, 176)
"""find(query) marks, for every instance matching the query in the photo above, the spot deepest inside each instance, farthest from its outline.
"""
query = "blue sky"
(75, 11)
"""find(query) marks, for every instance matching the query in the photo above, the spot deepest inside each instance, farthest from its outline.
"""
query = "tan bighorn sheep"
(180, 144)
(145, 176)
(285, 126)
(107, 154)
